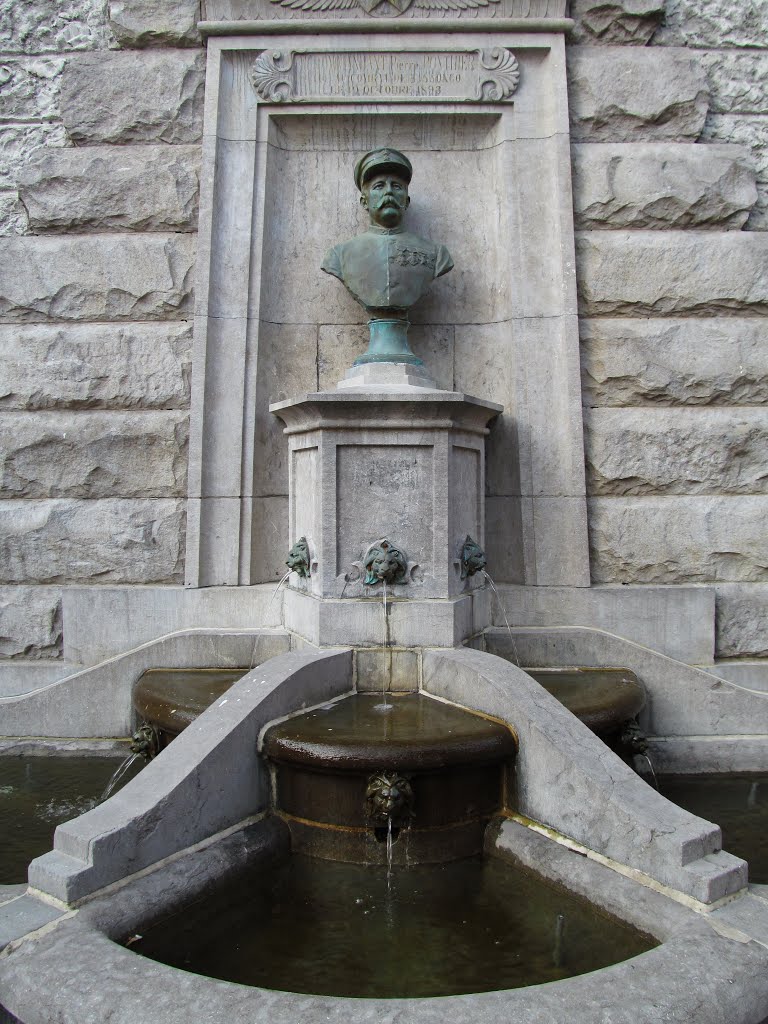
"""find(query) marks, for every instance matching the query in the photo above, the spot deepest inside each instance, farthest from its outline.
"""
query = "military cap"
(392, 159)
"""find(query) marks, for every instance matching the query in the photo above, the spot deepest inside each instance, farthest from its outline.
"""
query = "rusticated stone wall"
(100, 124)
(670, 124)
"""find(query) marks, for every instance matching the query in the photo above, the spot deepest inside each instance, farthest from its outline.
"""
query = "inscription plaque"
(351, 76)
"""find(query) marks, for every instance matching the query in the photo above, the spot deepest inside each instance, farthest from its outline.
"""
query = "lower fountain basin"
(604, 699)
(335, 764)
(170, 699)
(350, 930)
(40, 790)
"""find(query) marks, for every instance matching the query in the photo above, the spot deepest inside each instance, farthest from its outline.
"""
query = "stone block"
(631, 22)
(116, 540)
(18, 142)
(39, 26)
(93, 454)
(708, 755)
(13, 216)
(110, 188)
(718, 23)
(679, 539)
(287, 366)
(675, 621)
(102, 622)
(270, 542)
(742, 620)
(623, 94)
(29, 88)
(752, 131)
(661, 185)
(657, 274)
(155, 22)
(674, 362)
(738, 82)
(377, 670)
(95, 366)
(134, 97)
(30, 622)
(107, 277)
(506, 536)
(676, 451)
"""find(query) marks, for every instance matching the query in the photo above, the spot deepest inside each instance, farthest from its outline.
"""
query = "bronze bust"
(386, 269)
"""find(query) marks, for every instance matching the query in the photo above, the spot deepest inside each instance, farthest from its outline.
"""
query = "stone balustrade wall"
(670, 158)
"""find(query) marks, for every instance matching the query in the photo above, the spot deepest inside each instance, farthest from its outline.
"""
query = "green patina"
(386, 268)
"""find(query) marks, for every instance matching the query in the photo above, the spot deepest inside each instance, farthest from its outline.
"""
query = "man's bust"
(386, 269)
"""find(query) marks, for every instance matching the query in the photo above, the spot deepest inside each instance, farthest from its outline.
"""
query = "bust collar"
(374, 229)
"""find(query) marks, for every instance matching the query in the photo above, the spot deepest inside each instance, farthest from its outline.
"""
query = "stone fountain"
(387, 595)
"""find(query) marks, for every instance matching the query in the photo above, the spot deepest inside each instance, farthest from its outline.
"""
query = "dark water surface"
(334, 929)
(39, 792)
(737, 803)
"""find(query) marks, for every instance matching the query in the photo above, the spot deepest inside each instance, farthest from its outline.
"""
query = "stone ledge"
(647, 273)
(661, 185)
(110, 188)
(102, 622)
(662, 362)
(676, 621)
(106, 277)
(626, 94)
(96, 701)
(134, 97)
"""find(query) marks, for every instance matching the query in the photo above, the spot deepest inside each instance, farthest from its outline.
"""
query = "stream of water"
(387, 673)
(504, 613)
(275, 592)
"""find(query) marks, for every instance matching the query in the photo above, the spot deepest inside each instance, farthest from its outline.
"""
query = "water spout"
(504, 613)
(275, 592)
(651, 770)
(117, 775)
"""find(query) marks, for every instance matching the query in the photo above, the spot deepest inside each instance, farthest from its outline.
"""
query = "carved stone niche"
(385, 464)
(480, 108)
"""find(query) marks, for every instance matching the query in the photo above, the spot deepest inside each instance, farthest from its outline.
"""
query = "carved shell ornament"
(270, 75)
(499, 76)
(393, 7)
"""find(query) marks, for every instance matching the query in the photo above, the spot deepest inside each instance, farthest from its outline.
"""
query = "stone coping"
(709, 967)
(368, 26)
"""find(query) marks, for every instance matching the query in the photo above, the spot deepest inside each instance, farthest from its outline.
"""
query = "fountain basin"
(171, 699)
(604, 699)
(327, 760)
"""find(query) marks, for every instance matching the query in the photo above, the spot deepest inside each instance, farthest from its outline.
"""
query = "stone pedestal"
(405, 465)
